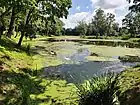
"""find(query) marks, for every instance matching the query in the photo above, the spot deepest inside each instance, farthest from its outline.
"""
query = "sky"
(85, 10)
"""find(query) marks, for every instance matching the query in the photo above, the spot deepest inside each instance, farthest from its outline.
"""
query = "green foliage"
(99, 22)
(99, 91)
(126, 37)
(82, 28)
(24, 16)
(136, 5)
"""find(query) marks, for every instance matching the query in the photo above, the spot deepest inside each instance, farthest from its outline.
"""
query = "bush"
(82, 36)
(99, 91)
(126, 37)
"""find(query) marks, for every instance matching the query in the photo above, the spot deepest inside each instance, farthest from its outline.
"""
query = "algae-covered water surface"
(77, 62)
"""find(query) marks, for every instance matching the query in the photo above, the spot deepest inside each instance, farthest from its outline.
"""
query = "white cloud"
(73, 20)
(78, 8)
(108, 4)
(117, 7)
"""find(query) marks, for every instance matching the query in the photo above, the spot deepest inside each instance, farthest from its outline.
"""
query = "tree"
(132, 23)
(15, 6)
(128, 23)
(82, 28)
(110, 19)
(46, 9)
(115, 27)
(57, 27)
(136, 5)
(90, 30)
(100, 22)
(137, 23)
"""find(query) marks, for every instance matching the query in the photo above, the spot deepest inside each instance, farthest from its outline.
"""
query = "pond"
(78, 66)
(105, 42)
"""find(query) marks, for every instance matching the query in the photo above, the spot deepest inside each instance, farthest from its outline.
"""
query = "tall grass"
(99, 90)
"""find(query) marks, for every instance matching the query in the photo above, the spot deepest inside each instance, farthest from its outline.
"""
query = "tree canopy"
(27, 14)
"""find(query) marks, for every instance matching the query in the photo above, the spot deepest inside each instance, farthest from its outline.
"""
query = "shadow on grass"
(10, 45)
(16, 88)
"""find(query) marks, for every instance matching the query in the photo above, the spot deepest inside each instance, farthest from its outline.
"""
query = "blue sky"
(85, 6)
(85, 10)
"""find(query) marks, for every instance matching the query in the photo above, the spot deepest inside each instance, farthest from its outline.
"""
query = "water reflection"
(78, 56)
(85, 70)
(77, 68)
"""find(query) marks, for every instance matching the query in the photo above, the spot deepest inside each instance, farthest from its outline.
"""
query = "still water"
(76, 68)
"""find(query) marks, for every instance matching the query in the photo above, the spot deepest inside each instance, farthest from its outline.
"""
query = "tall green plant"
(99, 90)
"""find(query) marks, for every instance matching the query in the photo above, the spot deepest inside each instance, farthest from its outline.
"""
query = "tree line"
(105, 24)
(30, 17)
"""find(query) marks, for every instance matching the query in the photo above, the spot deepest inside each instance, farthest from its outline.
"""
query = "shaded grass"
(17, 87)
(11, 45)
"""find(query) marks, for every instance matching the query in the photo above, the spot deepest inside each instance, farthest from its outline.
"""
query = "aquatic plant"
(100, 90)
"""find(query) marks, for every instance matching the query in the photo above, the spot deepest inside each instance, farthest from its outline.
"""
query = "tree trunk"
(0, 34)
(12, 23)
(21, 38)
(26, 22)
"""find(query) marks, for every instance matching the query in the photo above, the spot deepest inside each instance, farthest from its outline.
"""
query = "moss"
(113, 51)
(57, 91)
(94, 58)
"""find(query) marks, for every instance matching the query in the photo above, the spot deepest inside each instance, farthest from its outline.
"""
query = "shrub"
(99, 91)
(126, 37)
